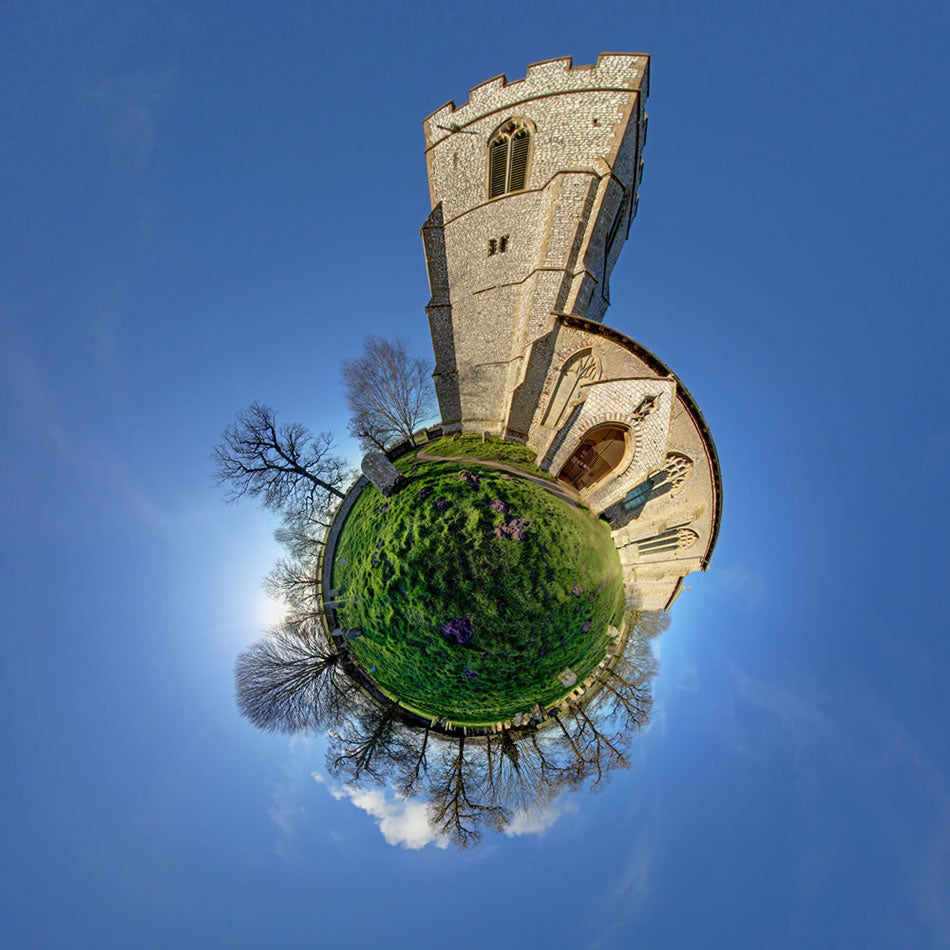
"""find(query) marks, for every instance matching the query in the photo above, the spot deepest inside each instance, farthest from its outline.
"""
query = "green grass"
(492, 450)
(432, 566)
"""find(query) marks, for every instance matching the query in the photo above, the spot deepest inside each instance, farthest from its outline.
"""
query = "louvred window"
(508, 159)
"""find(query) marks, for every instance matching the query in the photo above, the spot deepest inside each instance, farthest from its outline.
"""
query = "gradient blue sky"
(208, 204)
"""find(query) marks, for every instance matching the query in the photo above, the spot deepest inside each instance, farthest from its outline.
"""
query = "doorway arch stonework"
(599, 453)
(644, 408)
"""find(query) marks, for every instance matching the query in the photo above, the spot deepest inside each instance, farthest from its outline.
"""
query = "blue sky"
(208, 204)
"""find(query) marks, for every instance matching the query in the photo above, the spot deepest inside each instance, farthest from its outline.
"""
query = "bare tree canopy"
(372, 744)
(389, 392)
(284, 466)
(458, 805)
(291, 680)
(650, 623)
(302, 532)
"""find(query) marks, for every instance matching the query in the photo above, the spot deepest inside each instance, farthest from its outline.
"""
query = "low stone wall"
(329, 546)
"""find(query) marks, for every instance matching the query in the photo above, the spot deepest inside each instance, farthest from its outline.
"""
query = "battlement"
(612, 71)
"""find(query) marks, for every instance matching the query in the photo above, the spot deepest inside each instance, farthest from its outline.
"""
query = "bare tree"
(284, 466)
(302, 532)
(602, 750)
(631, 701)
(515, 776)
(647, 624)
(291, 680)
(415, 766)
(294, 582)
(389, 392)
(456, 787)
(372, 744)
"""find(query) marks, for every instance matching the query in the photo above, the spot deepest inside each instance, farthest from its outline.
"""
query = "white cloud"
(538, 821)
(402, 821)
(405, 821)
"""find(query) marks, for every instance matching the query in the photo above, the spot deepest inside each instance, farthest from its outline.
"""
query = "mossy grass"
(492, 449)
(409, 565)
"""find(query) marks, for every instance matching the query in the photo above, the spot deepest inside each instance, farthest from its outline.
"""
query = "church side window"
(508, 159)
(676, 470)
(669, 542)
(637, 497)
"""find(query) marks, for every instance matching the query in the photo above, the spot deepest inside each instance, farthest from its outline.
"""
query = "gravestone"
(567, 676)
(381, 472)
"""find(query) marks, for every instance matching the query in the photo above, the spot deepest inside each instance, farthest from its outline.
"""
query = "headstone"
(381, 472)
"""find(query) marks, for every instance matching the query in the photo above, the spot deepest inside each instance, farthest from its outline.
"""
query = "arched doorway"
(599, 453)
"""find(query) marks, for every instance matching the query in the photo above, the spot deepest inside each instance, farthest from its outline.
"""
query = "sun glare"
(270, 612)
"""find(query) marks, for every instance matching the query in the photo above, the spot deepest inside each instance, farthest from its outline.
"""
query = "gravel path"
(564, 492)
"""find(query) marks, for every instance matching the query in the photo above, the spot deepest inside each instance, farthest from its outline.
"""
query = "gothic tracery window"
(669, 542)
(508, 159)
(676, 471)
(666, 482)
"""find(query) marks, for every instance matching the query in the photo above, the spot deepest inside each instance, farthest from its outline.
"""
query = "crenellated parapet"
(612, 71)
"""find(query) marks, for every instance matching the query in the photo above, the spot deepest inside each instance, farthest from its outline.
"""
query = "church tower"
(533, 185)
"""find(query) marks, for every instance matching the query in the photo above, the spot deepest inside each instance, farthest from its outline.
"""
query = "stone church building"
(534, 187)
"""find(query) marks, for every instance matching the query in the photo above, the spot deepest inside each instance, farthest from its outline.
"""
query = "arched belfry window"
(508, 158)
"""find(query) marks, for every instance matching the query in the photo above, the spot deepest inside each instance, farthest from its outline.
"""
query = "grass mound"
(491, 449)
(474, 589)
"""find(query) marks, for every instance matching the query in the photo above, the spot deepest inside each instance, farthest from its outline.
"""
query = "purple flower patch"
(441, 505)
(471, 674)
(471, 477)
(424, 492)
(375, 561)
(514, 529)
(384, 509)
(586, 626)
(458, 630)
(541, 651)
(592, 597)
(379, 544)
(498, 505)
